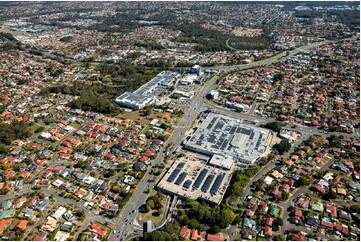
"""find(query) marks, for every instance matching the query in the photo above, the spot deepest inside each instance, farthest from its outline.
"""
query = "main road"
(124, 224)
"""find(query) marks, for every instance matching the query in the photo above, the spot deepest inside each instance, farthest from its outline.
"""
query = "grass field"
(14, 33)
(130, 115)
(148, 216)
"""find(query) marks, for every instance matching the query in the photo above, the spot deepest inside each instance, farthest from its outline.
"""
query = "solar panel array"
(217, 183)
(216, 133)
(259, 141)
(219, 136)
(200, 179)
(187, 184)
(207, 183)
(181, 178)
(175, 173)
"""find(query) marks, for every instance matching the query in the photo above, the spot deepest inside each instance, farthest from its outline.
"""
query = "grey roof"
(312, 221)
(219, 134)
(144, 95)
(248, 222)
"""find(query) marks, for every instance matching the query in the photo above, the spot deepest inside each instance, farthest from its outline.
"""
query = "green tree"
(278, 237)
(284, 146)
(193, 224)
(332, 195)
(304, 181)
(335, 141)
(151, 204)
(216, 229)
(237, 219)
(3, 149)
(4, 190)
(226, 217)
(275, 126)
(80, 164)
(285, 196)
(116, 188)
(278, 77)
(40, 129)
(278, 222)
(157, 235)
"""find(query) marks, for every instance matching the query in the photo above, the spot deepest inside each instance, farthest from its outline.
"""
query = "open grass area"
(76, 125)
(130, 115)
(35, 126)
(145, 130)
(144, 217)
(148, 216)
(14, 33)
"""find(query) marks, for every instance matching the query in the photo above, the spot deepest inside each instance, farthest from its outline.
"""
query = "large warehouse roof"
(144, 96)
(222, 135)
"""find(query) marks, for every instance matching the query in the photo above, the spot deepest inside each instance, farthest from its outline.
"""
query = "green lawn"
(144, 217)
(130, 115)
(148, 216)
(14, 33)
(35, 126)
(145, 130)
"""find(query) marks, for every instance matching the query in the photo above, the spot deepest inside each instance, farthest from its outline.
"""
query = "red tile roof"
(3, 223)
(96, 228)
(269, 221)
(298, 237)
(22, 224)
(185, 232)
(327, 225)
(332, 210)
(212, 237)
(268, 231)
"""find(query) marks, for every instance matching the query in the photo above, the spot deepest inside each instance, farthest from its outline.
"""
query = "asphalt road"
(124, 224)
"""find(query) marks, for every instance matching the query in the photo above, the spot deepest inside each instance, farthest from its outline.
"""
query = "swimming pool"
(255, 228)
(327, 219)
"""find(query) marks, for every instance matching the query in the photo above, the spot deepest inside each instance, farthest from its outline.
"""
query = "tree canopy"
(284, 146)
(275, 126)
(157, 235)
(14, 130)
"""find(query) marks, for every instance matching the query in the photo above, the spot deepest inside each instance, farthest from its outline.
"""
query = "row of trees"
(240, 180)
